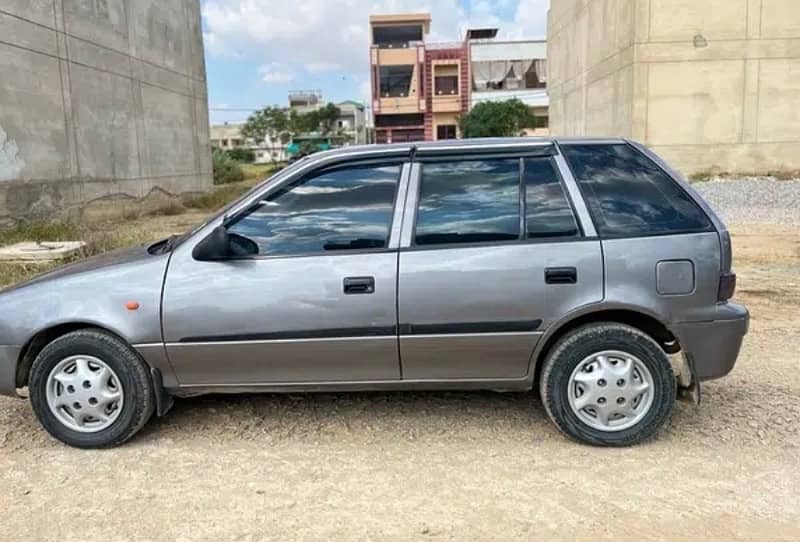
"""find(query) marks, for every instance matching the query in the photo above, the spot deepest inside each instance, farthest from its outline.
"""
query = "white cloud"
(319, 67)
(530, 19)
(275, 72)
(325, 35)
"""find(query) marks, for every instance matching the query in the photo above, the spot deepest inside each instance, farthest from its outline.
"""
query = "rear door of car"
(492, 251)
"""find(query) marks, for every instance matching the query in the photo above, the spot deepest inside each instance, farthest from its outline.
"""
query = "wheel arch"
(43, 337)
(637, 317)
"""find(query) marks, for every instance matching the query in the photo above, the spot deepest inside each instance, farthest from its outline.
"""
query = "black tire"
(581, 343)
(131, 371)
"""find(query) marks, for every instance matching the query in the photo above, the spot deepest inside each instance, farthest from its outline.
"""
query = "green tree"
(327, 117)
(496, 119)
(302, 123)
(270, 122)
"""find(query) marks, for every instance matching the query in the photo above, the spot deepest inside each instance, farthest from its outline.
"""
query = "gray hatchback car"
(585, 268)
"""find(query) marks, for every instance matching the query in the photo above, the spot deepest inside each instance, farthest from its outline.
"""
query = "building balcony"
(446, 103)
(400, 105)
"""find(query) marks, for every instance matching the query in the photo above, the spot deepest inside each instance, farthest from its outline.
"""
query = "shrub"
(216, 199)
(242, 155)
(226, 170)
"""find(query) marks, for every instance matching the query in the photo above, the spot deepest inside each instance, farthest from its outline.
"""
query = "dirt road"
(439, 466)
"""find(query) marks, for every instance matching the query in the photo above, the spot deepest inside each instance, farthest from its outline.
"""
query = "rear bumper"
(714, 346)
(9, 356)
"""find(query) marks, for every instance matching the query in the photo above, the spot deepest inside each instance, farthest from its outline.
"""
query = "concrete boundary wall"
(100, 101)
(708, 84)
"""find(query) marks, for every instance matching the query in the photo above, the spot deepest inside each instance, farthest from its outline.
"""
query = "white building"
(351, 126)
(229, 136)
(503, 70)
(353, 122)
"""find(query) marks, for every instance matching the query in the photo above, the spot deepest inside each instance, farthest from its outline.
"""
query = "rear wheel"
(608, 384)
(91, 390)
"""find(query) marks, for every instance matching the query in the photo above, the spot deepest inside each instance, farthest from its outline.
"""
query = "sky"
(259, 50)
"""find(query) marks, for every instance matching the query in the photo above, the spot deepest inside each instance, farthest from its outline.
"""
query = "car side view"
(585, 269)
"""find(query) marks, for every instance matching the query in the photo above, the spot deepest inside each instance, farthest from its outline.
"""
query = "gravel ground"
(444, 466)
(754, 199)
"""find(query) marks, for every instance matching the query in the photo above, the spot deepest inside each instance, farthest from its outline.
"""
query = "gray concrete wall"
(101, 101)
(711, 85)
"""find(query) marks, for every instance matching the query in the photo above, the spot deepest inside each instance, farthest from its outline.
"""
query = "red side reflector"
(132, 305)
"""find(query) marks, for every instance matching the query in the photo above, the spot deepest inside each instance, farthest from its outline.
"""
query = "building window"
(396, 37)
(446, 84)
(396, 81)
(391, 121)
(541, 121)
(446, 131)
(509, 74)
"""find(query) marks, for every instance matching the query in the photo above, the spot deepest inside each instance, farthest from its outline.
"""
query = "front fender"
(84, 295)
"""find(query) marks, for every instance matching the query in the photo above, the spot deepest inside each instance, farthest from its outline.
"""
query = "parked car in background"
(585, 269)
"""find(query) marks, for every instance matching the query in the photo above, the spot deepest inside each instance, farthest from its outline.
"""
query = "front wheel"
(90, 390)
(608, 384)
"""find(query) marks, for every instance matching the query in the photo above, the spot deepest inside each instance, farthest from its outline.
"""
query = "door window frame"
(394, 230)
(586, 230)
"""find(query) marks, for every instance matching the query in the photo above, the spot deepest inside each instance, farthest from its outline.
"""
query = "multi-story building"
(708, 84)
(351, 127)
(397, 60)
(505, 70)
(420, 89)
(353, 122)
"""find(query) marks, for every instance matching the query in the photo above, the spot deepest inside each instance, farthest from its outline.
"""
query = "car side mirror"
(215, 247)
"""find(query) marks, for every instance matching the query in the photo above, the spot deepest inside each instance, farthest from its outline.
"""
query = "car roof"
(474, 145)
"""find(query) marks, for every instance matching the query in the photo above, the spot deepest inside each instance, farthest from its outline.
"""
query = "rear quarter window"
(628, 195)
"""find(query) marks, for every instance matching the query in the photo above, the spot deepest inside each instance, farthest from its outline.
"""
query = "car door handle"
(561, 275)
(359, 285)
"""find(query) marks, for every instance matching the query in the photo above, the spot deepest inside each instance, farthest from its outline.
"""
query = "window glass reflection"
(629, 195)
(547, 209)
(341, 209)
(469, 202)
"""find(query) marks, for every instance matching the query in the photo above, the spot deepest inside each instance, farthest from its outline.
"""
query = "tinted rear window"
(629, 195)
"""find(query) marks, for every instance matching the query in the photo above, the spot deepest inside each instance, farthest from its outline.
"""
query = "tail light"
(727, 286)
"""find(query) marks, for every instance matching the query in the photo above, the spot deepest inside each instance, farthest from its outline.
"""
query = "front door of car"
(491, 254)
(316, 304)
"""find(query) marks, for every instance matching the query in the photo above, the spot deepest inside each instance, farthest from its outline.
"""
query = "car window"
(629, 195)
(341, 209)
(469, 202)
(548, 213)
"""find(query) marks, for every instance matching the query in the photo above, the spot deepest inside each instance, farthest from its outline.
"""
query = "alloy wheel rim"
(84, 394)
(611, 390)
